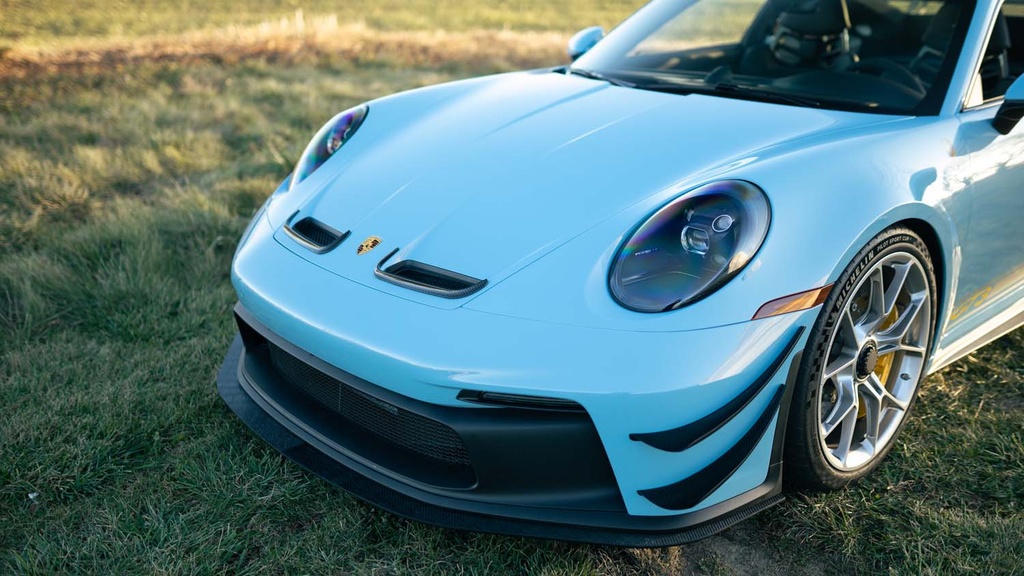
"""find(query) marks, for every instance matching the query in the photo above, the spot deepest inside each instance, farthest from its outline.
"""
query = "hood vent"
(428, 279)
(314, 234)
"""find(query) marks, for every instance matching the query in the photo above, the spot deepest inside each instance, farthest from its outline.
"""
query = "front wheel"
(864, 361)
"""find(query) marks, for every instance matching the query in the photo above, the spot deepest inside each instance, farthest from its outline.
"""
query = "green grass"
(122, 194)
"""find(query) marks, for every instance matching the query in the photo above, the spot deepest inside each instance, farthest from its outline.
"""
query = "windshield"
(887, 56)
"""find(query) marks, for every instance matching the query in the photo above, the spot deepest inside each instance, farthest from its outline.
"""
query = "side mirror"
(584, 40)
(1012, 110)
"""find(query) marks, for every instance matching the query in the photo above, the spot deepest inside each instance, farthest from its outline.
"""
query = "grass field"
(128, 169)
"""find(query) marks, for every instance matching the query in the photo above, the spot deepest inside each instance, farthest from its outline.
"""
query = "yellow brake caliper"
(884, 364)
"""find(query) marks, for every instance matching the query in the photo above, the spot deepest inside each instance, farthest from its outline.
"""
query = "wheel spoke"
(839, 415)
(873, 400)
(850, 332)
(844, 347)
(842, 450)
(881, 391)
(841, 366)
(899, 403)
(876, 304)
(911, 349)
(898, 280)
(892, 338)
(846, 405)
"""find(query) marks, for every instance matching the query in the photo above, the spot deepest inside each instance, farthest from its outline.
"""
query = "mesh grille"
(400, 427)
(315, 232)
(435, 280)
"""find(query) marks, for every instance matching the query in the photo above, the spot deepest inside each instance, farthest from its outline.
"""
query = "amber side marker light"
(793, 303)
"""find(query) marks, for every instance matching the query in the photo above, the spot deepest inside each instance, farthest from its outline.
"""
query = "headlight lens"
(327, 141)
(690, 247)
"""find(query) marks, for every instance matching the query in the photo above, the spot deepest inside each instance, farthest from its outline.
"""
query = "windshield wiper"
(762, 94)
(728, 89)
(731, 90)
(598, 76)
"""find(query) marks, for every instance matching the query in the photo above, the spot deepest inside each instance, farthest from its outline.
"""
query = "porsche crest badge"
(368, 244)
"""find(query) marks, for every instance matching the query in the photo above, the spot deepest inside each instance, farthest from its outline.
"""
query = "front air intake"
(314, 234)
(370, 415)
(428, 279)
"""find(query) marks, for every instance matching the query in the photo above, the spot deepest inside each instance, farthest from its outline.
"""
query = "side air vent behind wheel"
(314, 234)
(428, 279)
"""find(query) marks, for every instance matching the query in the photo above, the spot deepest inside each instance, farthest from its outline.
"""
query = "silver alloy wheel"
(875, 362)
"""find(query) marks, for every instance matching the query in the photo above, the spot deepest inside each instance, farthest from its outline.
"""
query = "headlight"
(690, 247)
(327, 141)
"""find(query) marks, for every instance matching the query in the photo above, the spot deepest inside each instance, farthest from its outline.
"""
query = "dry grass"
(291, 41)
(49, 22)
(30, 75)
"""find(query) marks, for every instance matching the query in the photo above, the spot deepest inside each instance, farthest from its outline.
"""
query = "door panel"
(992, 273)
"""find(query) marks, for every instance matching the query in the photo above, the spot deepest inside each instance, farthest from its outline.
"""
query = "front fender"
(830, 195)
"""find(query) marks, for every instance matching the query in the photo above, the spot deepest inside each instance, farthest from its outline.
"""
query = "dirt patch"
(742, 551)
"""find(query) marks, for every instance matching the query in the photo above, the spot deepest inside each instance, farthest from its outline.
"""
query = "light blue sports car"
(622, 301)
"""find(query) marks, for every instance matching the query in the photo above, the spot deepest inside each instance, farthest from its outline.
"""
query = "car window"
(706, 23)
(1003, 60)
(890, 56)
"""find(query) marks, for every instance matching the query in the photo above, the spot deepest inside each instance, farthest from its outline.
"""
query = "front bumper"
(675, 435)
(596, 514)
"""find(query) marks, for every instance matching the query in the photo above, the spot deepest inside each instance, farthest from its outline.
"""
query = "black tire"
(806, 464)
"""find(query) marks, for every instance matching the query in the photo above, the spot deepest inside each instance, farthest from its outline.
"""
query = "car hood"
(483, 177)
